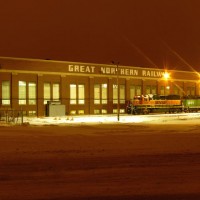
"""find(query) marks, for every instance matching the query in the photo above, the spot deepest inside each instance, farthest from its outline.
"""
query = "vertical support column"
(143, 87)
(14, 91)
(127, 90)
(197, 88)
(67, 85)
(184, 89)
(40, 96)
(167, 87)
(110, 95)
(63, 94)
(171, 89)
(91, 95)
(158, 87)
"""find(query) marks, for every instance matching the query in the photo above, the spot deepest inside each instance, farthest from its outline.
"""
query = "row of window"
(27, 92)
(79, 112)
(97, 111)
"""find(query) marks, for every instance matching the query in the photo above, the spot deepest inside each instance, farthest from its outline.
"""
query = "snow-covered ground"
(151, 119)
(180, 118)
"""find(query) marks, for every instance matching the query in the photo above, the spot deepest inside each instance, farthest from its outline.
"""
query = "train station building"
(84, 88)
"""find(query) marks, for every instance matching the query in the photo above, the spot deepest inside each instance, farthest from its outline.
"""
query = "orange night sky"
(146, 33)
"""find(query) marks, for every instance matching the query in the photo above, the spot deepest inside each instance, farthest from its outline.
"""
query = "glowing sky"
(149, 33)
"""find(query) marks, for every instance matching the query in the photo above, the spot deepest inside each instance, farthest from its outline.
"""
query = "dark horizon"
(156, 33)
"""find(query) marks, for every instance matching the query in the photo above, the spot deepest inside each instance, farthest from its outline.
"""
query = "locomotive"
(163, 104)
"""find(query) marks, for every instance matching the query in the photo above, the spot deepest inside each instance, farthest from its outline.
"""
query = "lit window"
(153, 89)
(47, 92)
(122, 111)
(97, 94)
(5, 92)
(32, 93)
(104, 111)
(77, 93)
(115, 94)
(115, 111)
(162, 90)
(100, 93)
(132, 92)
(56, 91)
(32, 113)
(81, 94)
(104, 92)
(96, 111)
(81, 112)
(22, 92)
(73, 112)
(72, 94)
(190, 91)
(148, 89)
(138, 90)
(122, 94)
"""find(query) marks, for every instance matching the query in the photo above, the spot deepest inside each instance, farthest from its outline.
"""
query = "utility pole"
(118, 95)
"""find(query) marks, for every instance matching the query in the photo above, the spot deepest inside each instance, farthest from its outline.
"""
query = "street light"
(166, 76)
(118, 98)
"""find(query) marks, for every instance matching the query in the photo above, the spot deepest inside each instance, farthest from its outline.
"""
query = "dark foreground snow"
(101, 161)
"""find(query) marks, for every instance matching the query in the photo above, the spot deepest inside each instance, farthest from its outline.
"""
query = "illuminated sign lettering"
(81, 68)
(108, 70)
(123, 71)
(129, 72)
(152, 73)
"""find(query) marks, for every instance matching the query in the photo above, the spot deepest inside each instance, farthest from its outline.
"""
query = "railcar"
(191, 104)
(162, 104)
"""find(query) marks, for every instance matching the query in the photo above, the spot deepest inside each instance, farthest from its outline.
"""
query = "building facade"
(84, 88)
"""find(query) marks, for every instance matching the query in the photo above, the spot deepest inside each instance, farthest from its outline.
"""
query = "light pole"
(118, 97)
